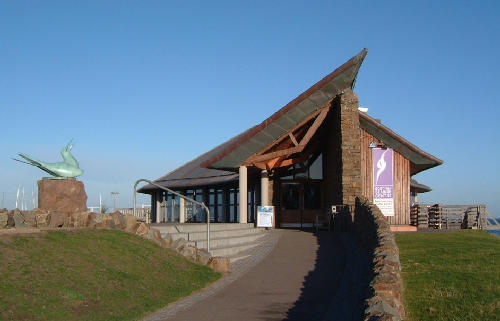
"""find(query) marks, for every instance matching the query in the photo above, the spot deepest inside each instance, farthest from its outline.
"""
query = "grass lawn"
(451, 276)
(91, 275)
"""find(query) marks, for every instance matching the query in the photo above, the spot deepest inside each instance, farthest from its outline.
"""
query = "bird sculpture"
(68, 169)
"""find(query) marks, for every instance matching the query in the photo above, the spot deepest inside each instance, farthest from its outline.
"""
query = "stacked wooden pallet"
(419, 216)
(435, 217)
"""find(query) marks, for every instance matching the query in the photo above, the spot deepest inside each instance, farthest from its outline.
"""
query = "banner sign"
(265, 216)
(383, 180)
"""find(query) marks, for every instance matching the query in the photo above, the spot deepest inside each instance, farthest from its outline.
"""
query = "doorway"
(300, 202)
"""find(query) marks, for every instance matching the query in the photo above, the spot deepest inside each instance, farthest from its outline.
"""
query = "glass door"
(300, 203)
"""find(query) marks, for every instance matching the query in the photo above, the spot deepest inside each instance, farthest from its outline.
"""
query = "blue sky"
(144, 86)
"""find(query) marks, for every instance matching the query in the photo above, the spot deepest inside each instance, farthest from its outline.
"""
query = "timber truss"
(292, 147)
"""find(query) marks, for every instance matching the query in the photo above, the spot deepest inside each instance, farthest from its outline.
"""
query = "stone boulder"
(81, 219)
(57, 219)
(219, 264)
(42, 219)
(179, 244)
(142, 229)
(29, 218)
(188, 252)
(203, 257)
(18, 219)
(119, 220)
(4, 219)
(131, 224)
(63, 196)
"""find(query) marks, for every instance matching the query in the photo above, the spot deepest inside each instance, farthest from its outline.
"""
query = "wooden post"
(182, 214)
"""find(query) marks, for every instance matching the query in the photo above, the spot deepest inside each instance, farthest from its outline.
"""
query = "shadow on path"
(335, 288)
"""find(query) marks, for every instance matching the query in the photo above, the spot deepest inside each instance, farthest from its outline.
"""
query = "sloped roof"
(418, 187)
(290, 115)
(193, 174)
(219, 165)
(420, 159)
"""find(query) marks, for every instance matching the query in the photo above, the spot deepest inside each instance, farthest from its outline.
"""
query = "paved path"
(306, 276)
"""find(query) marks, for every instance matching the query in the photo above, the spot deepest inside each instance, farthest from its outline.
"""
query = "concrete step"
(232, 251)
(202, 227)
(238, 257)
(199, 236)
(227, 241)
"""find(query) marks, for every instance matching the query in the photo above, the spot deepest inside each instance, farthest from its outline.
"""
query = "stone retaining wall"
(384, 300)
(37, 219)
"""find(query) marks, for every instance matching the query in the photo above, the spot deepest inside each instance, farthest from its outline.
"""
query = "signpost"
(265, 215)
(383, 180)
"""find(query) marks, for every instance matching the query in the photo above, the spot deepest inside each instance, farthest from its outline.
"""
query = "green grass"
(451, 276)
(91, 275)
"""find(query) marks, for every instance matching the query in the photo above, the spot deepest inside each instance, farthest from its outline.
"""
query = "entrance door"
(300, 203)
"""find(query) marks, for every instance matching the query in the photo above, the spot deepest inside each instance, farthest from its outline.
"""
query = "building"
(313, 153)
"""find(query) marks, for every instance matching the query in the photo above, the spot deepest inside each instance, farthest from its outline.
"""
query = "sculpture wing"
(34, 162)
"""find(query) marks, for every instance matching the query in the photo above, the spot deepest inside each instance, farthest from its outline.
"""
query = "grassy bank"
(91, 275)
(451, 276)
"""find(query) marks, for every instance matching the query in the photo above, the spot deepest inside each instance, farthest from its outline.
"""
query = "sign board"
(265, 215)
(383, 180)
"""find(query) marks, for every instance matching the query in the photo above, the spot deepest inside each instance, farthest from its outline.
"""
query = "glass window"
(316, 168)
(290, 196)
(312, 196)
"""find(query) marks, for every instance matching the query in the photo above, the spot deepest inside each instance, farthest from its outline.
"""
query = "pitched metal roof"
(420, 159)
(192, 174)
(290, 115)
(418, 187)
(219, 165)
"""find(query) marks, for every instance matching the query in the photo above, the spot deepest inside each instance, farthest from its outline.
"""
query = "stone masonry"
(384, 300)
(342, 152)
(350, 147)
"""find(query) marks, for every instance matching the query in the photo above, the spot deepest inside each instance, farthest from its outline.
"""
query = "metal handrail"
(181, 196)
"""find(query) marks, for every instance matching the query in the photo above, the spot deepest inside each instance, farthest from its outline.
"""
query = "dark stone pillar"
(342, 152)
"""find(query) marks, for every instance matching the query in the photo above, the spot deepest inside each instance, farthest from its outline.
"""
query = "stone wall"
(384, 300)
(342, 152)
(26, 221)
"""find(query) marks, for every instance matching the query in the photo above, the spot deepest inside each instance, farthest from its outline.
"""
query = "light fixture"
(372, 145)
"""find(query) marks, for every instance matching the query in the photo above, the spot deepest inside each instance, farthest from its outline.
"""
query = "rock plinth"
(62, 196)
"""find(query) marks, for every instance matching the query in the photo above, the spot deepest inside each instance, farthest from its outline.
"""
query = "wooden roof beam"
(314, 127)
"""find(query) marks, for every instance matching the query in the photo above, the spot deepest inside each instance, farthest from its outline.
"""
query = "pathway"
(306, 276)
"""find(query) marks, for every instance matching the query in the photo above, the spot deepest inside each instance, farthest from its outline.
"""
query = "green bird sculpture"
(68, 169)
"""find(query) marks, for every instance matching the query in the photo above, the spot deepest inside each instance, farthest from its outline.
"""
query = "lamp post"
(115, 195)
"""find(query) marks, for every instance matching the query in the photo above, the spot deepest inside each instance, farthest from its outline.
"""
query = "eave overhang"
(289, 116)
(420, 159)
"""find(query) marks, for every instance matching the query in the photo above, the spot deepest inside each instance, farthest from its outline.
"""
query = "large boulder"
(131, 224)
(220, 264)
(81, 219)
(179, 244)
(119, 220)
(19, 219)
(4, 219)
(154, 235)
(29, 218)
(203, 257)
(142, 229)
(63, 196)
(42, 219)
(188, 252)
(58, 219)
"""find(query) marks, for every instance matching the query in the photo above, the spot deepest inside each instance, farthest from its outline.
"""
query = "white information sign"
(265, 216)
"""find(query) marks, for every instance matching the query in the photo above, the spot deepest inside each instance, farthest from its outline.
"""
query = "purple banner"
(383, 180)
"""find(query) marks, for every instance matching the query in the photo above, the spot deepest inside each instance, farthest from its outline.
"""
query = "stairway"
(226, 239)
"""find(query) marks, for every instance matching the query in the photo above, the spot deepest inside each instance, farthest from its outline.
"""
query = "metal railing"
(181, 196)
